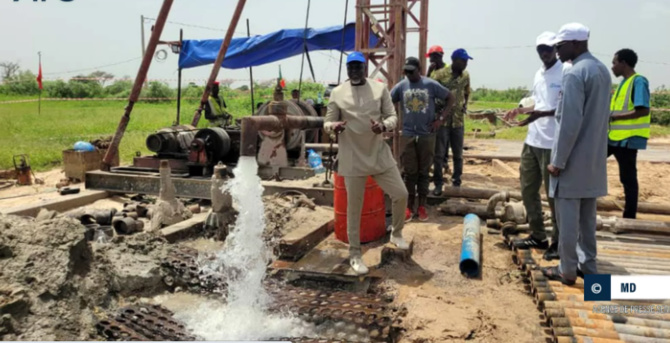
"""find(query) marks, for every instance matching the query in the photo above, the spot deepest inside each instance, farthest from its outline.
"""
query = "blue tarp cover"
(275, 46)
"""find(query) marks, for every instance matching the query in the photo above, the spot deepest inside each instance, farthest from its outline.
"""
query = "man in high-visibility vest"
(214, 110)
(629, 124)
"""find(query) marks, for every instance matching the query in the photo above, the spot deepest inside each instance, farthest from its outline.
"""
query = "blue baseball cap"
(462, 54)
(356, 56)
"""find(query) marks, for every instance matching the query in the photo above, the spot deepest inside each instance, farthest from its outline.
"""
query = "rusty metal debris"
(144, 323)
(362, 316)
(182, 269)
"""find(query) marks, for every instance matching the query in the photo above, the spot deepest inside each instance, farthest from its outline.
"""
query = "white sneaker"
(400, 242)
(358, 266)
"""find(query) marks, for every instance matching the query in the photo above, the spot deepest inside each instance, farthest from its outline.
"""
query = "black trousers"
(627, 160)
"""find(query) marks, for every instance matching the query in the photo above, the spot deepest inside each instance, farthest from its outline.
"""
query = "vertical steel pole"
(181, 43)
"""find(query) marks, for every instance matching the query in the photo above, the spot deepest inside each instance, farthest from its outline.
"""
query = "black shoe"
(454, 184)
(580, 274)
(552, 273)
(551, 253)
(437, 191)
(530, 242)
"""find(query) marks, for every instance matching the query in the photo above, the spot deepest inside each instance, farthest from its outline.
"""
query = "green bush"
(158, 90)
(119, 89)
(84, 89)
(57, 89)
(508, 95)
(23, 83)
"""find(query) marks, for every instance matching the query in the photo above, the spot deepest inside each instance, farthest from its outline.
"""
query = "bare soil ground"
(443, 305)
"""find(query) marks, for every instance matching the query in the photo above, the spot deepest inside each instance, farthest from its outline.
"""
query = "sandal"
(552, 273)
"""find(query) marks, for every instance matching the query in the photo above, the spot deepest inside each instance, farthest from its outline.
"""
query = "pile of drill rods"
(572, 319)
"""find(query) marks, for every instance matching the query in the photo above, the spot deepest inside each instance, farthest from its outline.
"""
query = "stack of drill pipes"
(608, 329)
(614, 262)
(585, 310)
(584, 339)
(585, 322)
(580, 318)
(520, 257)
(633, 238)
(617, 258)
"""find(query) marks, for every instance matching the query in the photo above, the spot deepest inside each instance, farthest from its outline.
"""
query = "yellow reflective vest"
(622, 103)
(215, 106)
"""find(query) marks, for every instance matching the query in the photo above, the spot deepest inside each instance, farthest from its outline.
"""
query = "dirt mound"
(54, 281)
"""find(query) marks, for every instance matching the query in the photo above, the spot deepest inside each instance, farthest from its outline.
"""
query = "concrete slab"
(62, 204)
(176, 232)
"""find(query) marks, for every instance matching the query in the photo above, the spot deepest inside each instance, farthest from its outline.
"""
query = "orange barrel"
(373, 215)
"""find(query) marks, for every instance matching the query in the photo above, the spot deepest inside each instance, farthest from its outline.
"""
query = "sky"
(81, 36)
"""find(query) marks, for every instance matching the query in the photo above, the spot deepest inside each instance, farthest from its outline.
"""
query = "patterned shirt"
(460, 87)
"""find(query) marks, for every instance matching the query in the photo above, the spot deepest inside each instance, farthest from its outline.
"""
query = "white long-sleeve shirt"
(361, 152)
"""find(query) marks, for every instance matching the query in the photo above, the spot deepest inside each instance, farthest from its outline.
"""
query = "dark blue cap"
(462, 54)
(356, 56)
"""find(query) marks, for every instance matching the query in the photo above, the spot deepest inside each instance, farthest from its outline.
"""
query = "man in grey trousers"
(360, 110)
(579, 156)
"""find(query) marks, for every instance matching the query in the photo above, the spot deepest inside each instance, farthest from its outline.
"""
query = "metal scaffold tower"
(388, 20)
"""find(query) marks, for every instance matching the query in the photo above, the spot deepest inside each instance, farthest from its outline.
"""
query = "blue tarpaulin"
(275, 46)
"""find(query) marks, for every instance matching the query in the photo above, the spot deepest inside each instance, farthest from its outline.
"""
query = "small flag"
(282, 82)
(39, 76)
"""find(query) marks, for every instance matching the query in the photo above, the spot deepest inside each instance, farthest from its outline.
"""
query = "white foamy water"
(244, 260)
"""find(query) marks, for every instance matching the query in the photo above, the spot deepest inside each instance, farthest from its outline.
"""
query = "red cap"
(435, 49)
(216, 83)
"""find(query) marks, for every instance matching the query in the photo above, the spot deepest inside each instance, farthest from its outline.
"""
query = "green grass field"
(62, 123)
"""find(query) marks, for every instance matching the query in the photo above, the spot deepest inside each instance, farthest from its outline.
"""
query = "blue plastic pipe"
(471, 247)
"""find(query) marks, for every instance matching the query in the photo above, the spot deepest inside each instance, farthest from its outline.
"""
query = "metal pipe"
(603, 205)
(588, 305)
(585, 339)
(613, 252)
(621, 225)
(609, 326)
(599, 320)
(181, 43)
(469, 264)
(585, 310)
(457, 208)
(113, 149)
(219, 60)
(585, 332)
(494, 200)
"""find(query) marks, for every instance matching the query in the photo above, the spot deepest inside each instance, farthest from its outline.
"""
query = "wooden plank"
(65, 203)
(185, 229)
(298, 242)
(330, 259)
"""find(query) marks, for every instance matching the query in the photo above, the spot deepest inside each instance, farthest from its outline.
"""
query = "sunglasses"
(545, 48)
